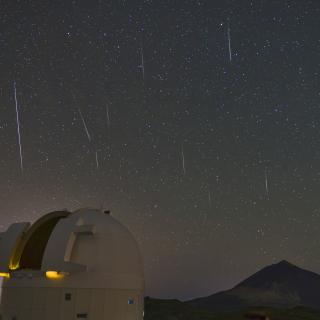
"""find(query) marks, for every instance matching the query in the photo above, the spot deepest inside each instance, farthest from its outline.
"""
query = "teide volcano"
(281, 285)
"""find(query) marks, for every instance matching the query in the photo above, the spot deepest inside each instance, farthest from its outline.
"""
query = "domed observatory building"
(80, 265)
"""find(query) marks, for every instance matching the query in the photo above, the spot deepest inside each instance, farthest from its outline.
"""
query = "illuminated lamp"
(55, 275)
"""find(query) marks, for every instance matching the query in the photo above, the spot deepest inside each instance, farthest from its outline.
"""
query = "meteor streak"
(82, 118)
(85, 125)
(266, 182)
(229, 44)
(18, 125)
(183, 160)
(97, 160)
(108, 116)
(142, 66)
(209, 198)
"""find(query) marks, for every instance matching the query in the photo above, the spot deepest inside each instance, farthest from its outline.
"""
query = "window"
(130, 301)
(67, 296)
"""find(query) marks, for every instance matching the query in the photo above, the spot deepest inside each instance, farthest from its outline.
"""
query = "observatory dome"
(69, 265)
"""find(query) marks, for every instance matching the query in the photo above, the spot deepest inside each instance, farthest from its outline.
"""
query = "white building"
(80, 265)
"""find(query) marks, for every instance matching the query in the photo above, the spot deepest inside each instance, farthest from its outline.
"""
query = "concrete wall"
(70, 304)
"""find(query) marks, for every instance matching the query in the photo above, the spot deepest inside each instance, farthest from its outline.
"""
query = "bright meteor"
(85, 125)
(18, 124)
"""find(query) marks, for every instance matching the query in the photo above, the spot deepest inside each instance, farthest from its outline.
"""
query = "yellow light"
(14, 266)
(54, 275)
(5, 274)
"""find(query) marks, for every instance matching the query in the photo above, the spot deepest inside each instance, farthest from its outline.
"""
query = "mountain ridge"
(281, 285)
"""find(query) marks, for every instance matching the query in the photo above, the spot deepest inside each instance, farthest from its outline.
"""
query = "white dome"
(87, 245)
(83, 264)
(91, 241)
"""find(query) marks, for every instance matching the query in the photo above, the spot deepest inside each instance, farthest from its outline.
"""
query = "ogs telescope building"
(65, 266)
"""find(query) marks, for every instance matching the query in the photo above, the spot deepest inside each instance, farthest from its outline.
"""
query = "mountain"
(281, 285)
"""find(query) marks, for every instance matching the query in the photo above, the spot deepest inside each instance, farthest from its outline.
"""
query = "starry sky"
(195, 122)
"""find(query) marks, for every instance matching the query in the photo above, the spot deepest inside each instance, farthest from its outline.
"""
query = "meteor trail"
(142, 62)
(229, 44)
(97, 161)
(18, 124)
(108, 115)
(82, 118)
(183, 160)
(209, 198)
(85, 125)
(266, 182)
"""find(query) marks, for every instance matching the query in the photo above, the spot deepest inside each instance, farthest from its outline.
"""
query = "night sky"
(195, 122)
